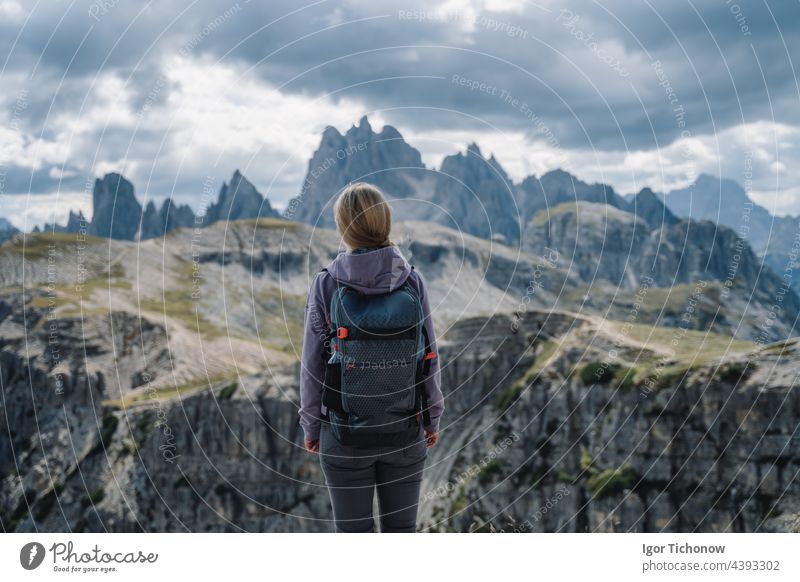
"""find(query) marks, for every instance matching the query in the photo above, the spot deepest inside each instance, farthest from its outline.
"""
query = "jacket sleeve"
(433, 382)
(312, 365)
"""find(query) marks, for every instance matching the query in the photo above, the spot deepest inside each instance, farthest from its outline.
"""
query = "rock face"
(531, 442)
(116, 211)
(556, 187)
(649, 207)
(158, 223)
(566, 409)
(725, 202)
(477, 196)
(238, 199)
(606, 245)
(361, 154)
(544, 446)
(118, 215)
(776, 238)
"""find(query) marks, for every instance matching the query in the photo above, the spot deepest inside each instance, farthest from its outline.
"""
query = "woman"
(357, 453)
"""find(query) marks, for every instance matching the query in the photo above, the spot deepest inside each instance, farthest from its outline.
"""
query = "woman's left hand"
(431, 438)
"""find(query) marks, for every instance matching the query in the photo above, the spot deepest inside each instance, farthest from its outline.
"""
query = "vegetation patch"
(596, 373)
(268, 222)
(94, 497)
(610, 482)
(564, 477)
(179, 305)
(229, 390)
(586, 462)
(490, 471)
(734, 372)
(783, 348)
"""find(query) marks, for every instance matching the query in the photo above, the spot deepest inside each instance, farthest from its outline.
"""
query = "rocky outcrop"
(649, 207)
(171, 216)
(724, 201)
(476, 195)
(572, 440)
(361, 154)
(606, 245)
(557, 187)
(531, 442)
(118, 215)
(116, 212)
(238, 199)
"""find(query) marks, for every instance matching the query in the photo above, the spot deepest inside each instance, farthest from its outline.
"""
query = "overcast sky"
(175, 94)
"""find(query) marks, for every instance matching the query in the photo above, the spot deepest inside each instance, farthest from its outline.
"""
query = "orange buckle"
(430, 356)
(342, 333)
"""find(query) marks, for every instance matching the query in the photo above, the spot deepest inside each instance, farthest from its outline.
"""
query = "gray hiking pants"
(352, 475)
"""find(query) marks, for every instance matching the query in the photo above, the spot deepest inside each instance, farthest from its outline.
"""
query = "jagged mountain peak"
(648, 206)
(114, 203)
(474, 149)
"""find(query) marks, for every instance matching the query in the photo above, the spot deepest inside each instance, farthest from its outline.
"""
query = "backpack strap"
(426, 368)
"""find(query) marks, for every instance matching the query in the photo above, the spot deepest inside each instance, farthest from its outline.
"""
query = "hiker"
(370, 396)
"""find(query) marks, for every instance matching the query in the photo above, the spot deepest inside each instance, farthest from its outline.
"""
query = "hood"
(371, 272)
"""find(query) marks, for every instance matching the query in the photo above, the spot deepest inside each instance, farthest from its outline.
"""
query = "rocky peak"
(238, 199)
(384, 159)
(469, 181)
(116, 211)
(649, 207)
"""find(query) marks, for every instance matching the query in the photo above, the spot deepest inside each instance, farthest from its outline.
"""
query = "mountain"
(477, 196)
(648, 206)
(610, 425)
(361, 154)
(714, 277)
(724, 201)
(238, 199)
(558, 186)
(116, 211)
(159, 222)
(7, 230)
(469, 191)
(117, 214)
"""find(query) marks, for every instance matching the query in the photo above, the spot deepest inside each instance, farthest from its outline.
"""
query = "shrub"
(492, 469)
(624, 377)
(508, 396)
(734, 372)
(611, 482)
(564, 477)
(586, 461)
(94, 497)
(228, 391)
(597, 373)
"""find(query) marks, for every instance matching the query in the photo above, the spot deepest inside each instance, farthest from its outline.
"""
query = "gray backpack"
(378, 355)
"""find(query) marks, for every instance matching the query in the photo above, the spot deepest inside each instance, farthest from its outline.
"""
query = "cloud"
(170, 92)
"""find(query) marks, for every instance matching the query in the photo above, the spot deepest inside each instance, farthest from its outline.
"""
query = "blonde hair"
(363, 216)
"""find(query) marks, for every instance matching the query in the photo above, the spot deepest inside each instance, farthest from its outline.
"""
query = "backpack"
(377, 357)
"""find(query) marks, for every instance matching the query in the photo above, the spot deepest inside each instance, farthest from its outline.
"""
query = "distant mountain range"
(117, 214)
(725, 202)
(469, 192)
(609, 237)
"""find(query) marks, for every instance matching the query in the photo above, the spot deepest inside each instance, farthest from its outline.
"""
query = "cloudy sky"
(174, 94)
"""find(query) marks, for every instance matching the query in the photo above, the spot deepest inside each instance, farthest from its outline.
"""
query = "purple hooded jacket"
(371, 272)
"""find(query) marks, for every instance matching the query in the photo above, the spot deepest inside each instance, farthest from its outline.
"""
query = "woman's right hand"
(312, 446)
